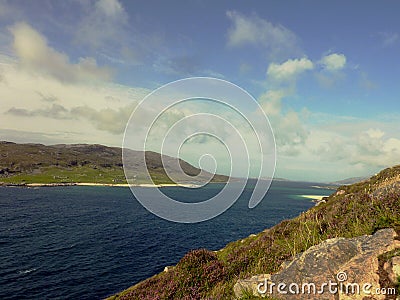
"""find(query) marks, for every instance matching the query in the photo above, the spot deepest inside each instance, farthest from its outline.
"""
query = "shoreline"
(328, 187)
(313, 197)
(317, 199)
(33, 185)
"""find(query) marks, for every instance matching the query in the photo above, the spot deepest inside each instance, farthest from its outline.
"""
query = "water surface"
(91, 242)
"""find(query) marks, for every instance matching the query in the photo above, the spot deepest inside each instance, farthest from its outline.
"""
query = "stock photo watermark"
(333, 287)
(209, 121)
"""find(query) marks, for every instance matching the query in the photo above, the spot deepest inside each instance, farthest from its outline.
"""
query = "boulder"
(337, 268)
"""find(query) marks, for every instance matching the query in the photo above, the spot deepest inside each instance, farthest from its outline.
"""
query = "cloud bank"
(35, 54)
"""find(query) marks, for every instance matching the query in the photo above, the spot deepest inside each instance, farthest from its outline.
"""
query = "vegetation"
(36, 163)
(48, 175)
(383, 275)
(354, 210)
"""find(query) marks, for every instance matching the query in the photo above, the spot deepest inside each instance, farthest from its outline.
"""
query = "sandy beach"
(110, 184)
(313, 197)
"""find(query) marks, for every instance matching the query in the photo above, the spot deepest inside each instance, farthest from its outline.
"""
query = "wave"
(26, 271)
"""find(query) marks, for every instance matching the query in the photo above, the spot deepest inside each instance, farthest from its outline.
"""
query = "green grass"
(81, 174)
(36, 163)
(85, 174)
(69, 175)
(360, 211)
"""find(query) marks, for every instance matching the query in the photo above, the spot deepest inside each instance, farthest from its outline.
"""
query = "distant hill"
(351, 180)
(37, 163)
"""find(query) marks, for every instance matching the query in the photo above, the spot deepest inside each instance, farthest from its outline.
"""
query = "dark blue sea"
(91, 242)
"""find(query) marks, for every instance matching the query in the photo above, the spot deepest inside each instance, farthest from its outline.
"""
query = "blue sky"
(324, 72)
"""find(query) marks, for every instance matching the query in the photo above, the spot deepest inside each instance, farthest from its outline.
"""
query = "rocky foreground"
(351, 240)
(337, 268)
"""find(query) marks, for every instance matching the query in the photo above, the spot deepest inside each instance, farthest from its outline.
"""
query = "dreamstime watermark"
(206, 119)
(339, 286)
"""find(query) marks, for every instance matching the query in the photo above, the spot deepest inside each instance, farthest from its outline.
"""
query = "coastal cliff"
(361, 221)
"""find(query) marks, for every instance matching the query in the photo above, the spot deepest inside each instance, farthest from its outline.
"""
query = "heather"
(354, 210)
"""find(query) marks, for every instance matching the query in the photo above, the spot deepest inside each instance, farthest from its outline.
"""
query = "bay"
(91, 242)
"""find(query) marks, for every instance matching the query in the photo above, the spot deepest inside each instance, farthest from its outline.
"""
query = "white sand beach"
(111, 184)
(313, 197)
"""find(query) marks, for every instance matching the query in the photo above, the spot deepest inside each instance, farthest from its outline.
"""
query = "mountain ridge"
(350, 180)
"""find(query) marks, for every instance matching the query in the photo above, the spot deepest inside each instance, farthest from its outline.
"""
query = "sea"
(82, 242)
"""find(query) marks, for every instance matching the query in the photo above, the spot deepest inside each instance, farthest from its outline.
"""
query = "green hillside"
(354, 210)
(80, 163)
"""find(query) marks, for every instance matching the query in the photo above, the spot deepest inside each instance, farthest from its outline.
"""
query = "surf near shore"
(317, 199)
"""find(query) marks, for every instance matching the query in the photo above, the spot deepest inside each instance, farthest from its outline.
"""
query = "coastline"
(313, 197)
(317, 199)
(29, 185)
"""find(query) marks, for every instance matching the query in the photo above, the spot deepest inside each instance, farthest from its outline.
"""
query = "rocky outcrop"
(337, 268)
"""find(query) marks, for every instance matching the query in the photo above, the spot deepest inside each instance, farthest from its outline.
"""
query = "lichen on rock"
(337, 268)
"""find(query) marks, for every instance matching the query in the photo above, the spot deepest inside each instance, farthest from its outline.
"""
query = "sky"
(325, 73)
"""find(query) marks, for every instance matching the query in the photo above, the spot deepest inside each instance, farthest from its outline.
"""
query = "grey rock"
(347, 266)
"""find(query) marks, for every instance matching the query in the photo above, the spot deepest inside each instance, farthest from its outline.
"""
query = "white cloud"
(330, 147)
(290, 69)
(290, 130)
(375, 133)
(331, 71)
(367, 148)
(110, 8)
(106, 119)
(56, 111)
(270, 101)
(372, 148)
(370, 142)
(77, 112)
(289, 127)
(256, 31)
(34, 53)
(104, 24)
(333, 62)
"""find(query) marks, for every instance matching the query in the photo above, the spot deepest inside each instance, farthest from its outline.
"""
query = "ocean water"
(91, 242)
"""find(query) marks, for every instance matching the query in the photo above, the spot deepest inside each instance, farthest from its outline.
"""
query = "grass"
(80, 174)
(86, 174)
(69, 175)
(202, 274)
(36, 163)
